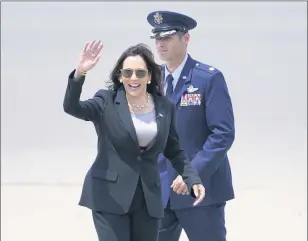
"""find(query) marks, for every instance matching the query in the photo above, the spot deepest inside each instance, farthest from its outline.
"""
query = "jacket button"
(139, 158)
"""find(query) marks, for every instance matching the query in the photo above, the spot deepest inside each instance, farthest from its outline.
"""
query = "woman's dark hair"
(155, 87)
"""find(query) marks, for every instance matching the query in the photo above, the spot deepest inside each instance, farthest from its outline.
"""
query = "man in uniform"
(205, 125)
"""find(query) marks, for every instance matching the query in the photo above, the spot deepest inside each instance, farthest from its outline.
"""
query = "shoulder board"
(206, 68)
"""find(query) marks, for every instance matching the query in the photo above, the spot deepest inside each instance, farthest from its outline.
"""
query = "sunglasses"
(128, 73)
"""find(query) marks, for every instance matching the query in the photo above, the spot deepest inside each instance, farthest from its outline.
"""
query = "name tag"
(190, 99)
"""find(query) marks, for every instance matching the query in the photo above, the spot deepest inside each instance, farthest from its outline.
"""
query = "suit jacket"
(110, 184)
(205, 125)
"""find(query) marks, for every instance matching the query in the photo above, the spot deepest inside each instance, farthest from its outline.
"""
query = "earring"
(149, 82)
(120, 80)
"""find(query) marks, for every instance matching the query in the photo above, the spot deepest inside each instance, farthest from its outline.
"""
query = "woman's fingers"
(100, 47)
(98, 50)
(91, 50)
(95, 47)
(91, 45)
(85, 48)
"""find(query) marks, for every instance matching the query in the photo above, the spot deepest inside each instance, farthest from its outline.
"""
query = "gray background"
(260, 47)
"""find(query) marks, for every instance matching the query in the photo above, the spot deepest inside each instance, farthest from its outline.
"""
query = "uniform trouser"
(136, 225)
(204, 223)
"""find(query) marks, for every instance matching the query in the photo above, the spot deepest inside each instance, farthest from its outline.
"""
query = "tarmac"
(50, 212)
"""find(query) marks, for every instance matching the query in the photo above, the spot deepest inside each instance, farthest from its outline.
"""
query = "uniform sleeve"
(87, 110)
(177, 156)
(220, 121)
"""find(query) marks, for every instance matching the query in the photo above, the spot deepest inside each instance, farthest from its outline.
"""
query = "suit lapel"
(184, 79)
(124, 113)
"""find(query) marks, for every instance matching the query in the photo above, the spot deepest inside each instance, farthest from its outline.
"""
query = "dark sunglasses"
(128, 73)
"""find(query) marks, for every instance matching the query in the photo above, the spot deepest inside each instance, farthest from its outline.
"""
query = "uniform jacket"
(205, 124)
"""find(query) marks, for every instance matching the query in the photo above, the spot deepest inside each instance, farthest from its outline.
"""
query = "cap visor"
(163, 34)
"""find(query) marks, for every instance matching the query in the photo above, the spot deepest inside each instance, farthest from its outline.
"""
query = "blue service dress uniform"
(205, 124)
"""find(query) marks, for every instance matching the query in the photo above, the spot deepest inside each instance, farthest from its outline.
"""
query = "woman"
(134, 123)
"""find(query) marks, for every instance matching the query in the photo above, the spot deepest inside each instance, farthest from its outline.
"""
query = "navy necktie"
(169, 90)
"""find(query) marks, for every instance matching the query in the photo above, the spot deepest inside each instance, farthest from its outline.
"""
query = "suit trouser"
(204, 223)
(136, 225)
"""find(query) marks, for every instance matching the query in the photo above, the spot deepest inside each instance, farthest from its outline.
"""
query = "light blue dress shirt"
(176, 74)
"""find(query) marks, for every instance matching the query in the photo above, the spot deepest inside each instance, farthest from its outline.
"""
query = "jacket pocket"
(110, 175)
(157, 181)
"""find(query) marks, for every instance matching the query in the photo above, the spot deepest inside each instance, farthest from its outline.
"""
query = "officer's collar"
(177, 72)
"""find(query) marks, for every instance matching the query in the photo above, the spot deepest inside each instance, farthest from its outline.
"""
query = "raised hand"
(89, 56)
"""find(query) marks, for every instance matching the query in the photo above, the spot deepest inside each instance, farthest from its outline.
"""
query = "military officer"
(205, 124)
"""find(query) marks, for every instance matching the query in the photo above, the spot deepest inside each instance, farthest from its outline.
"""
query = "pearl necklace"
(138, 107)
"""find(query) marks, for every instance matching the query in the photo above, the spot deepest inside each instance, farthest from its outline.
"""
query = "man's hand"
(179, 186)
(199, 192)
